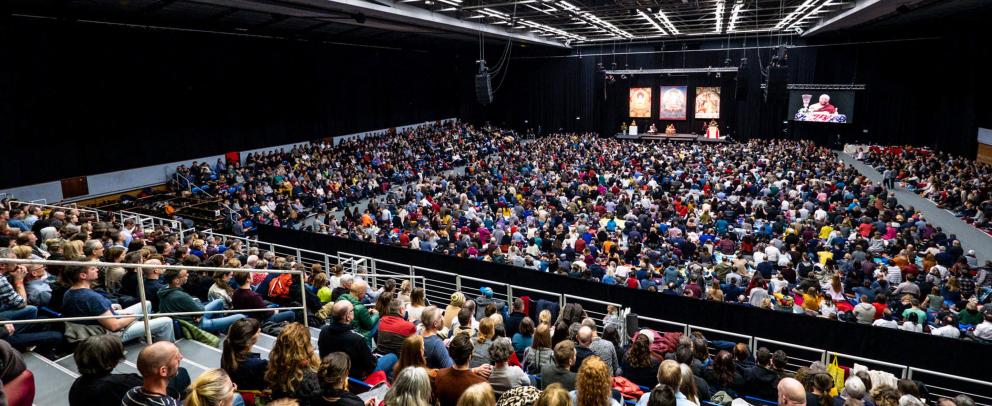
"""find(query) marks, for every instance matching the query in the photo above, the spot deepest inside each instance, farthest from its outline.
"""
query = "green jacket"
(364, 320)
(177, 300)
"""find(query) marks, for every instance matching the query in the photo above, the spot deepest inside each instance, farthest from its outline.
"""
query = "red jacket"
(392, 331)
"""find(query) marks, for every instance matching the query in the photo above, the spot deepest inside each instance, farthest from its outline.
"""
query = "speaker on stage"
(778, 80)
(483, 88)
(740, 81)
(631, 324)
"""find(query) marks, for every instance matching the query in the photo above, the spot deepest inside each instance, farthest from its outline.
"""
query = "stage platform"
(676, 137)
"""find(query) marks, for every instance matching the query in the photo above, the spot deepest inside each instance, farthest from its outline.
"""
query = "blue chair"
(759, 401)
(356, 386)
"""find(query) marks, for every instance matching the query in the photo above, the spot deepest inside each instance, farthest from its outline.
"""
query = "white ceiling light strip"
(808, 15)
(668, 23)
(799, 10)
(719, 17)
(651, 20)
(734, 14)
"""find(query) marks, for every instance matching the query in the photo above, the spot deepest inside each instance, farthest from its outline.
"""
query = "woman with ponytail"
(820, 396)
(246, 368)
(213, 388)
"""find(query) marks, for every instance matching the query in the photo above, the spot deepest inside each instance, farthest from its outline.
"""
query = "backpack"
(279, 287)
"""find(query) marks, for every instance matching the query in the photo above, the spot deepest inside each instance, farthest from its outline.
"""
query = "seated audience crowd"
(952, 182)
(780, 225)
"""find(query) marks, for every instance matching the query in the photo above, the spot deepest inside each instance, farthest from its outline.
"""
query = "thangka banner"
(640, 102)
(672, 103)
(707, 102)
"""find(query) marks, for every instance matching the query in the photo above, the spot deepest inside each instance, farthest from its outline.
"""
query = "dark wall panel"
(85, 99)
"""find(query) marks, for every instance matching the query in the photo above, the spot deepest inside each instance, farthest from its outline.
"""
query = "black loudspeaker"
(483, 89)
(778, 80)
(740, 89)
(631, 324)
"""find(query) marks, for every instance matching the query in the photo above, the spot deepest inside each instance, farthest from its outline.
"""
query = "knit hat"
(486, 291)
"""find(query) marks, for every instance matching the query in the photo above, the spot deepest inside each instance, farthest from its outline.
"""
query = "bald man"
(158, 364)
(583, 339)
(791, 393)
(341, 336)
(366, 319)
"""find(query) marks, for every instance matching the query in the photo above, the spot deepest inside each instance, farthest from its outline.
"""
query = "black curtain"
(83, 99)
(890, 345)
(923, 87)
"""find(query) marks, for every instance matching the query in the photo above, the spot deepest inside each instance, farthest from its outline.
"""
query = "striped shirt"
(138, 397)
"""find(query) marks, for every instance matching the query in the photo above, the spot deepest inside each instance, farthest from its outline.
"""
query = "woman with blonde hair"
(554, 395)
(480, 394)
(412, 387)
(483, 340)
(593, 384)
(293, 364)
(544, 318)
(416, 306)
(411, 354)
(404, 294)
(212, 388)
(455, 306)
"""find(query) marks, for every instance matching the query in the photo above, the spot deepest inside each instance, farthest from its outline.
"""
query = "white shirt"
(984, 330)
(907, 326)
(885, 323)
(947, 331)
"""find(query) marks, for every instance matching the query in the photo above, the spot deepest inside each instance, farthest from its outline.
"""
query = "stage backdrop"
(640, 102)
(672, 103)
(892, 345)
(707, 102)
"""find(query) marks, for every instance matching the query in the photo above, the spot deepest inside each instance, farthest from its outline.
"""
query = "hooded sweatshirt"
(177, 300)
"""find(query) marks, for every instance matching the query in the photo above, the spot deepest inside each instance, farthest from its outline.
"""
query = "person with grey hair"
(412, 387)
(964, 400)
(854, 388)
(504, 377)
(603, 348)
(344, 286)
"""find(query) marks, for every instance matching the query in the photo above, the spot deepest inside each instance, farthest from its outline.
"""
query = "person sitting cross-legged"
(173, 298)
(82, 301)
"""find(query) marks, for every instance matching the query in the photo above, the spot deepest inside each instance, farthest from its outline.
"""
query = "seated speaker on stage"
(652, 129)
(712, 130)
(670, 130)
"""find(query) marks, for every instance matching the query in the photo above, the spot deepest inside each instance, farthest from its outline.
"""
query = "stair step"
(199, 353)
(124, 367)
(56, 379)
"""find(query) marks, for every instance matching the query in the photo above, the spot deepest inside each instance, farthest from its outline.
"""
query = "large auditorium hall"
(495, 203)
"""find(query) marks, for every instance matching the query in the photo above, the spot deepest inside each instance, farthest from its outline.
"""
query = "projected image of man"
(823, 105)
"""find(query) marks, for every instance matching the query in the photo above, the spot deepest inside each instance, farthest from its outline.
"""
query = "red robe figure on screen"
(823, 106)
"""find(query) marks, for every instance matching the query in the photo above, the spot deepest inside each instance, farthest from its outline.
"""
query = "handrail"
(10, 206)
(566, 296)
(869, 360)
(823, 353)
(126, 315)
(685, 327)
(909, 375)
(143, 299)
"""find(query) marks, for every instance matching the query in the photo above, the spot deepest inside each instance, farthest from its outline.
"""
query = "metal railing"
(148, 222)
(302, 256)
(143, 300)
(440, 284)
(12, 203)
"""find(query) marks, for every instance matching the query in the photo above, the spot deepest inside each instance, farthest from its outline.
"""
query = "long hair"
(412, 387)
(211, 388)
(688, 386)
(291, 357)
(487, 328)
(639, 355)
(823, 383)
(723, 367)
(221, 283)
(593, 383)
(240, 338)
(411, 354)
